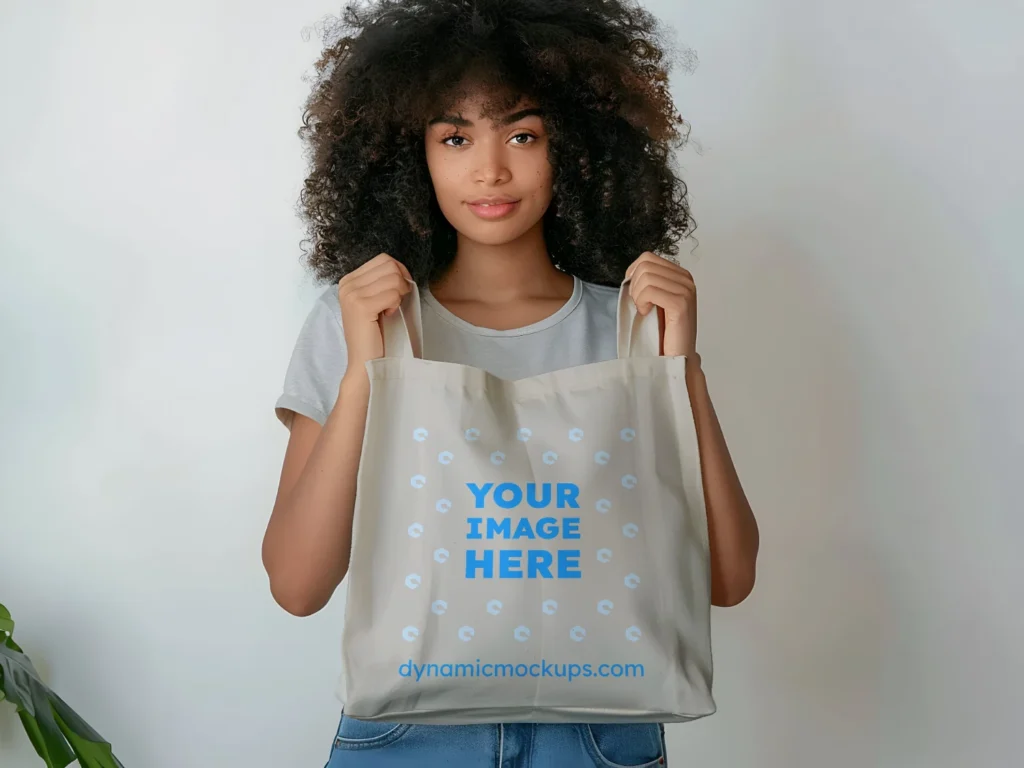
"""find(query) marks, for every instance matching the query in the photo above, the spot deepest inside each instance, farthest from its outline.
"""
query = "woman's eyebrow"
(462, 122)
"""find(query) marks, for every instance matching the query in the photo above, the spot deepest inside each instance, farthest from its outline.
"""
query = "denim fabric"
(362, 744)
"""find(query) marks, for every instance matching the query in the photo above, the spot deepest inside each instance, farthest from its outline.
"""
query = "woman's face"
(504, 161)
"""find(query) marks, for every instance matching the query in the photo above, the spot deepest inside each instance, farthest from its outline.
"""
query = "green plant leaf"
(90, 748)
(6, 622)
(26, 691)
(55, 755)
(58, 734)
(7, 630)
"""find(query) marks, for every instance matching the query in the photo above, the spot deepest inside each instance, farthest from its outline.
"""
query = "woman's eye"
(527, 138)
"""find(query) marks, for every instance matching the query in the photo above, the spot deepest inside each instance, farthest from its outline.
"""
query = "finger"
(369, 301)
(656, 280)
(383, 273)
(405, 270)
(363, 268)
(669, 283)
(656, 296)
(645, 256)
(666, 268)
(373, 269)
(381, 260)
(381, 301)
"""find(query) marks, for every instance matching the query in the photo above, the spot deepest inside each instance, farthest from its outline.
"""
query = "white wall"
(860, 282)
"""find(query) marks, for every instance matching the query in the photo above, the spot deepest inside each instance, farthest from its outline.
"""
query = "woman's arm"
(308, 539)
(732, 529)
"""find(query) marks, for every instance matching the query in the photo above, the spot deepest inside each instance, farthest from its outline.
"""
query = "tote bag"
(530, 550)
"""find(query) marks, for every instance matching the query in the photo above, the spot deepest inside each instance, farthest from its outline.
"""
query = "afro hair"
(597, 69)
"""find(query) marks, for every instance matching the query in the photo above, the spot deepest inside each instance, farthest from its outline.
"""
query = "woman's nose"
(492, 168)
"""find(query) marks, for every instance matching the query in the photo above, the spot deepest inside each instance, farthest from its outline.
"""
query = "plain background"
(856, 173)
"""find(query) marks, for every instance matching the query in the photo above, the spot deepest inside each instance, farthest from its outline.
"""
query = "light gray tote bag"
(530, 550)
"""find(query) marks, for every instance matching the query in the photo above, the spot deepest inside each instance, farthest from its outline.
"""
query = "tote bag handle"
(403, 331)
(638, 335)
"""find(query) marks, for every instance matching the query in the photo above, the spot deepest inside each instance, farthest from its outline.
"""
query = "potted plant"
(58, 734)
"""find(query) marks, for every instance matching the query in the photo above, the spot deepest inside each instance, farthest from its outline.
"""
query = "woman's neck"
(503, 274)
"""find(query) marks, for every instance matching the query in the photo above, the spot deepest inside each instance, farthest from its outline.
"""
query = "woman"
(512, 158)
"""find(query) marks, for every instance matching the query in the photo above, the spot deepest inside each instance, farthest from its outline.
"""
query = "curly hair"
(595, 67)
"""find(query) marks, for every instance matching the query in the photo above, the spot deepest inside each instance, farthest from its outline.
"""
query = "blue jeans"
(363, 744)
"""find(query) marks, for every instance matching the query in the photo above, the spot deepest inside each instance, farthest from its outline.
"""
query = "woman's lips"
(494, 211)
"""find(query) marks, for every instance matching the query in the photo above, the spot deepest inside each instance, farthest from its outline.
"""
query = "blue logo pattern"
(522, 633)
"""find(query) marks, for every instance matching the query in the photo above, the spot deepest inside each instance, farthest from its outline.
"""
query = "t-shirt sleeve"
(317, 363)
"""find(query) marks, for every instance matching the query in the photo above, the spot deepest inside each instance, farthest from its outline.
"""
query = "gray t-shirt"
(582, 331)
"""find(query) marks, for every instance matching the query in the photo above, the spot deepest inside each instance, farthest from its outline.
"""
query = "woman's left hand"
(657, 282)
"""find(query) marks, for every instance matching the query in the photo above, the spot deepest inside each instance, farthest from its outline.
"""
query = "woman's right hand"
(373, 290)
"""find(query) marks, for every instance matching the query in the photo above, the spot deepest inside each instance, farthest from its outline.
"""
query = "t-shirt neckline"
(450, 317)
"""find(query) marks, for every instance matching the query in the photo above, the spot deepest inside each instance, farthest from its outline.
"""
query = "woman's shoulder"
(327, 300)
(323, 318)
(600, 300)
(601, 292)
(595, 317)
(317, 363)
